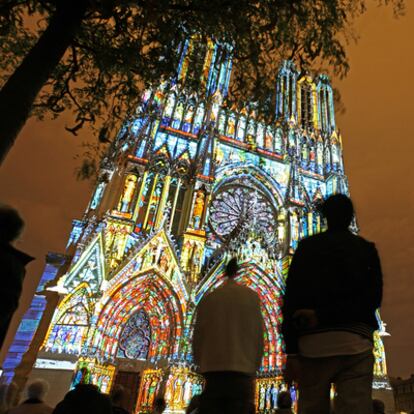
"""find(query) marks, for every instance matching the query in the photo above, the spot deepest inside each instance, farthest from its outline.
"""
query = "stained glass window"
(135, 339)
(238, 203)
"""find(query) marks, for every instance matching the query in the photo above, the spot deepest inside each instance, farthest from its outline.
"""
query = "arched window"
(269, 138)
(319, 156)
(178, 115)
(306, 98)
(222, 122)
(168, 109)
(97, 196)
(241, 128)
(325, 105)
(327, 159)
(336, 155)
(305, 153)
(251, 131)
(176, 200)
(198, 120)
(231, 125)
(144, 200)
(279, 140)
(188, 117)
(312, 155)
(68, 332)
(286, 91)
(126, 200)
(260, 135)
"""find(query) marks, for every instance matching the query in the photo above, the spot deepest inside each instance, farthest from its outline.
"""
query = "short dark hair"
(232, 268)
(284, 400)
(338, 211)
(11, 224)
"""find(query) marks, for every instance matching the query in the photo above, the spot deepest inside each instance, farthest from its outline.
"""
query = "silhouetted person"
(118, 396)
(36, 392)
(194, 404)
(84, 399)
(8, 397)
(333, 289)
(12, 266)
(378, 407)
(284, 403)
(228, 346)
(159, 406)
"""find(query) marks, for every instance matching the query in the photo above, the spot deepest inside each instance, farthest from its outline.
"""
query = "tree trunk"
(20, 90)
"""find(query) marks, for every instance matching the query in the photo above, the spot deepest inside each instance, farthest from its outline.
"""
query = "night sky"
(38, 176)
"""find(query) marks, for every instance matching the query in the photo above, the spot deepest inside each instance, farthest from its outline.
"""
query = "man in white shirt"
(228, 346)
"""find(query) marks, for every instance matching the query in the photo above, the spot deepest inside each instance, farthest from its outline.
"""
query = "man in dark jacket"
(333, 290)
(12, 267)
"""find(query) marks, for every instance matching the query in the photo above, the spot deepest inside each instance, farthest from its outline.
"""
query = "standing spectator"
(284, 403)
(12, 266)
(8, 397)
(36, 392)
(118, 400)
(333, 290)
(84, 399)
(228, 346)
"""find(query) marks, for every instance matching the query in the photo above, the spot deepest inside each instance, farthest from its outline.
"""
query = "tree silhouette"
(93, 57)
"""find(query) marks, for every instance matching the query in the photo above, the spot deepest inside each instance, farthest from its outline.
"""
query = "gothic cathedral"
(187, 184)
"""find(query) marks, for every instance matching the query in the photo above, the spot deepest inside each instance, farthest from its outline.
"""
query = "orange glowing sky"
(38, 176)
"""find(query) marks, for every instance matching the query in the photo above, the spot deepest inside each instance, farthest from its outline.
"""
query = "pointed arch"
(70, 322)
(307, 103)
(286, 91)
(151, 291)
(326, 112)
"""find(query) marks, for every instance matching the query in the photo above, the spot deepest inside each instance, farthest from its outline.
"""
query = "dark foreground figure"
(228, 346)
(333, 289)
(12, 266)
(284, 403)
(84, 399)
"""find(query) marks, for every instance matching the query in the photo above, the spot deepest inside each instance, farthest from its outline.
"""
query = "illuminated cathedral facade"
(187, 184)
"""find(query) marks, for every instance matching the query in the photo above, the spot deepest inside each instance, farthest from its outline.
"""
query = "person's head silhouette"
(232, 268)
(338, 211)
(11, 224)
(284, 400)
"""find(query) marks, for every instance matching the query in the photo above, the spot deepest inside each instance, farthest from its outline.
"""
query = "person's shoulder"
(246, 291)
(364, 243)
(310, 242)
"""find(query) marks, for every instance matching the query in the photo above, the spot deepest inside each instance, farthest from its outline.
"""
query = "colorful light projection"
(71, 323)
(187, 184)
(90, 371)
(135, 338)
(153, 294)
(267, 391)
